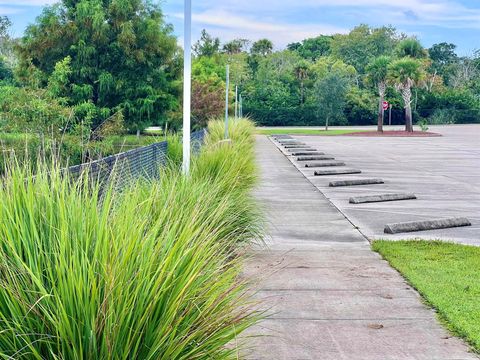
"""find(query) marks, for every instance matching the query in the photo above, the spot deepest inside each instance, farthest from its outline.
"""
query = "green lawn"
(306, 132)
(446, 275)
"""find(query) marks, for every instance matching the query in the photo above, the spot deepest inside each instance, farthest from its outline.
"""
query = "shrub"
(148, 273)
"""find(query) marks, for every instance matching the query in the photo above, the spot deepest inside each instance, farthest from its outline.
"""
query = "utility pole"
(187, 85)
(226, 101)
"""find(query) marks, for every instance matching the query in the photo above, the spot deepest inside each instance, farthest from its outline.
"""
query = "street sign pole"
(226, 101)
(187, 85)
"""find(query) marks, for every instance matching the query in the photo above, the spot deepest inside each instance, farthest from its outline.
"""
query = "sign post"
(187, 85)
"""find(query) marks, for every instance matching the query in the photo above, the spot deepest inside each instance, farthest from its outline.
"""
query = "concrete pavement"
(329, 295)
(444, 173)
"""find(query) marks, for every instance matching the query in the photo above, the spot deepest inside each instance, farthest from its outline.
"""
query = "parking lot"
(443, 172)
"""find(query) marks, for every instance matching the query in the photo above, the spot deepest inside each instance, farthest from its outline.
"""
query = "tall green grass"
(148, 273)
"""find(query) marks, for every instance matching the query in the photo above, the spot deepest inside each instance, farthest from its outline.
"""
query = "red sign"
(385, 105)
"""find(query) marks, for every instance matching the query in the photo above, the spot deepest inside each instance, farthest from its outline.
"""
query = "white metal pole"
(187, 85)
(241, 106)
(226, 101)
(236, 102)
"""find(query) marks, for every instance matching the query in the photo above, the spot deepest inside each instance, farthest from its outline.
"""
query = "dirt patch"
(398, 133)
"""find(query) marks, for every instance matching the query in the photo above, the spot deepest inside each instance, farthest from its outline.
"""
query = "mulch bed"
(399, 133)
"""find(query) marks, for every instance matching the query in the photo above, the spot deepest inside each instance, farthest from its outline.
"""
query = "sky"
(286, 21)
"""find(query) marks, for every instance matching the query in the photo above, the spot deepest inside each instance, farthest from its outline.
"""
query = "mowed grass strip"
(306, 131)
(447, 275)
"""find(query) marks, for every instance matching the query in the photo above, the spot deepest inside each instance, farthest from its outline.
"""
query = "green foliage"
(32, 111)
(206, 45)
(5, 24)
(121, 58)
(262, 47)
(235, 46)
(312, 48)
(410, 47)
(148, 273)
(447, 277)
(443, 56)
(377, 70)
(405, 71)
(423, 125)
(6, 74)
(210, 69)
(331, 98)
(360, 107)
(363, 44)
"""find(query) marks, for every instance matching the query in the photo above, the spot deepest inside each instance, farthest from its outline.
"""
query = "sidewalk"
(330, 296)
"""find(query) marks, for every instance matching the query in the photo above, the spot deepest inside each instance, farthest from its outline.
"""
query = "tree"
(404, 74)
(236, 46)
(206, 45)
(463, 72)
(301, 73)
(5, 24)
(363, 44)
(377, 72)
(331, 94)
(7, 56)
(208, 101)
(313, 48)
(124, 58)
(6, 74)
(410, 47)
(442, 54)
(262, 47)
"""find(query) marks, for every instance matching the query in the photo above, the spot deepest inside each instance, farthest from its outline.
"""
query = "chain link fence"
(124, 168)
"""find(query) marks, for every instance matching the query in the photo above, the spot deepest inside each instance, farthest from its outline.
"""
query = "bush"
(442, 117)
(148, 273)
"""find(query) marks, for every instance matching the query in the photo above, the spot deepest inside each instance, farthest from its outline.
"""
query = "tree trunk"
(302, 91)
(407, 99)
(408, 119)
(380, 116)
(326, 123)
(138, 133)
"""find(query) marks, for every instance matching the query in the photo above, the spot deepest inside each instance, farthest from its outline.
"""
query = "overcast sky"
(285, 21)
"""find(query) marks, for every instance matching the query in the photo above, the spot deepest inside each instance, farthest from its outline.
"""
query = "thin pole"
(241, 106)
(187, 85)
(236, 102)
(390, 115)
(226, 101)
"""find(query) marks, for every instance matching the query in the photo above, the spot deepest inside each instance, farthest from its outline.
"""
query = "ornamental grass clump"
(151, 272)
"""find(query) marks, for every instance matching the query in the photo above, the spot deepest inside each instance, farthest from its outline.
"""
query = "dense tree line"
(86, 65)
(343, 79)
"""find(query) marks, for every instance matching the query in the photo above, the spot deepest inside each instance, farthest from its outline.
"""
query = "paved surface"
(330, 296)
(444, 173)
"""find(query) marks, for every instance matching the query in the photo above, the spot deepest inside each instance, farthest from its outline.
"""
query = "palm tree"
(404, 74)
(301, 74)
(377, 75)
(411, 47)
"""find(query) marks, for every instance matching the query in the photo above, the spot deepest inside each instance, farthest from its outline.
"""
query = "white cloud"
(448, 13)
(28, 2)
(228, 26)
